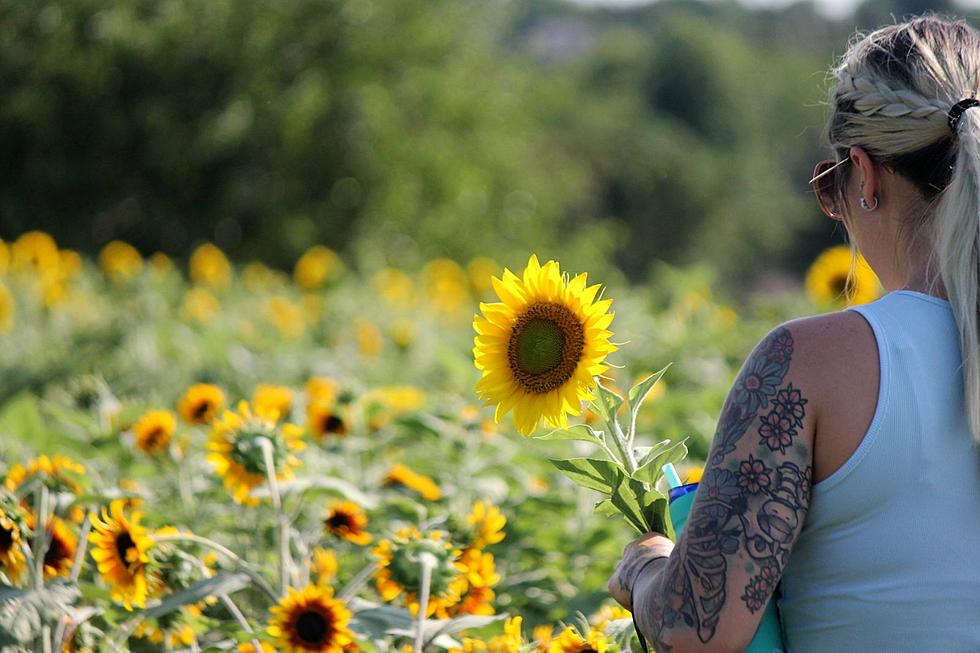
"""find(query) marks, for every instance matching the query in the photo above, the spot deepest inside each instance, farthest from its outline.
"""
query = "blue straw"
(673, 480)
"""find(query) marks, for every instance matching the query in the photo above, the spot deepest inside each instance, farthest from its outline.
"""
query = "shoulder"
(835, 358)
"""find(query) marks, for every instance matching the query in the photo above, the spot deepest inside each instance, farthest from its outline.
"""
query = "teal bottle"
(769, 637)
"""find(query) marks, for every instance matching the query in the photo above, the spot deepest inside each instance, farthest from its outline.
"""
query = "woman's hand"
(635, 556)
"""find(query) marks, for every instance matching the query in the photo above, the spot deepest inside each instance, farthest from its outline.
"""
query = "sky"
(831, 8)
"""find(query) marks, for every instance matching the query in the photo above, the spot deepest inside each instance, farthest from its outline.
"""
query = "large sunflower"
(237, 455)
(347, 520)
(120, 548)
(837, 278)
(12, 559)
(201, 403)
(60, 554)
(541, 345)
(310, 620)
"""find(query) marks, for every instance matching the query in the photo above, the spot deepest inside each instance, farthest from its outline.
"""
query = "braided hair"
(892, 93)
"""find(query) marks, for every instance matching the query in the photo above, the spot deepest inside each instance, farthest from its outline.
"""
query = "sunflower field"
(215, 455)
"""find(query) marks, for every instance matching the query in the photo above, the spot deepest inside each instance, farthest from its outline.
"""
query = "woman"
(844, 466)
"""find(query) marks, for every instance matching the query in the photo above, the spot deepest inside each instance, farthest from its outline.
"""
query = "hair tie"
(957, 110)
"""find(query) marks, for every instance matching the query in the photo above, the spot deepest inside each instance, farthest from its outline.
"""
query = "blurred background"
(611, 135)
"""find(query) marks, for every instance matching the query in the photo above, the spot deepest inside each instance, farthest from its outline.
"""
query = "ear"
(868, 173)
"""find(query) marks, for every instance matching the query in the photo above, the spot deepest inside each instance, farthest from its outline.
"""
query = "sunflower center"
(340, 520)
(201, 410)
(56, 553)
(312, 627)
(333, 424)
(124, 542)
(154, 437)
(6, 539)
(545, 347)
(838, 284)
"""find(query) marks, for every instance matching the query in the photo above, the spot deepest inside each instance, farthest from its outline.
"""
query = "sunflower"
(248, 647)
(325, 419)
(541, 345)
(836, 277)
(153, 431)
(269, 398)
(480, 574)
(399, 570)
(201, 403)
(369, 338)
(488, 523)
(12, 559)
(200, 305)
(608, 613)
(512, 640)
(570, 641)
(400, 475)
(120, 262)
(395, 287)
(543, 636)
(310, 620)
(60, 554)
(317, 266)
(323, 565)
(120, 548)
(322, 389)
(237, 454)
(347, 520)
(171, 630)
(59, 473)
(34, 251)
(210, 267)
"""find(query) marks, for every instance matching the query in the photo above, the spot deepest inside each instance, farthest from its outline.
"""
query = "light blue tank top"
(889, 555)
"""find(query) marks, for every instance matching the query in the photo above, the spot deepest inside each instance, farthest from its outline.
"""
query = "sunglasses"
(823, 184)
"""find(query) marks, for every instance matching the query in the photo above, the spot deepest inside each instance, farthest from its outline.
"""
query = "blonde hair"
(891, 96)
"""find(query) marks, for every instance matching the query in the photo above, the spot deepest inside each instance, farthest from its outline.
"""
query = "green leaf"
(656, 515)
(607, 403)
(651, 466)
(638, 393)
(452, 626)
(626, 497)
(202, 589)
(23, 612)
(606, 508)
(581, 432)
(601, 475)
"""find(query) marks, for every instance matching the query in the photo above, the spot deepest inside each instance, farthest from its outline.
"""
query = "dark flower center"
(124, 542)
(153, 438)
(56, 553)
(312, 627)
(333, 424)
(545, 347)
(201, 411)
(340, 520)
(838, 284)
(6, 539)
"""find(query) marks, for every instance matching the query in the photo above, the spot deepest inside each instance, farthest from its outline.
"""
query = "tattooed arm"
(710, 593)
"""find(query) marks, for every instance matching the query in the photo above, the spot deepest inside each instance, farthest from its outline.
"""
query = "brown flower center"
(6, 539)
(545, 347)
(333, 424)
(312, 627)
(340, 521)
(57, 552)
(838, 284)
(201, 411)
(124, 542)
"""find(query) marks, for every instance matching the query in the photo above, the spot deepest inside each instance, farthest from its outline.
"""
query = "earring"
(864, 204)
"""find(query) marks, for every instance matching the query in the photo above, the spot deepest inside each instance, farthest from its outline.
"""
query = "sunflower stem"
(357, 582)
(285, 563)
(246, 568)
(76, 564)
(623, 446)
(40, 534)
(428, 562)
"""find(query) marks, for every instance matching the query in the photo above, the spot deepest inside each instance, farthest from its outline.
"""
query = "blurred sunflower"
(399, 570)
(323, 565)
(347, 520)
(608, 613)
(201, 403)
(543, 634)
(248, 647)
(4, 257)
(570, 641)
(209, 266)
(34, 251)
(170, 630)
(317, 266)
(120, 548)
(310, 620)
(200, 305)
(836, 277)
(153, 431)
(541, 345)
(511, 641)
(480, 270)
(400, 475)
(369, 338)
(322, 389)
(326, 419)
(488, 523)
(62, 545)
(120, 262)
(59, 473)
(267, 398)
(481, 575)
(395, 287)
(12, 559)
(236, 452)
